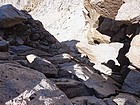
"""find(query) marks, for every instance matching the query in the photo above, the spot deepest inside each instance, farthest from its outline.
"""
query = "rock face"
(10, 16)
(129, 85)
(103, 87)
(21, 85)
(4, 46)
(71, 87)
(66, 19)
(26, 4)
(97, 76)
(95, 53)
(118, 9)
(126, 99)
(132, 54)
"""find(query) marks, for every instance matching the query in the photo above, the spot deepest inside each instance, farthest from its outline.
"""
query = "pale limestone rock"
(103, 86)
(133, 54)
(120, 10)
(62, 18)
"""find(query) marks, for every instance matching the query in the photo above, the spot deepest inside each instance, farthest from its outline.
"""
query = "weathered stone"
(133, 54)
(109, 101)
(20, 52)
(4, 55)
(101, 53)
(132, 83)
(95, 37)
(4, 46)
(118, 9)
(107, 8)
(21, 85)
(42, 65)
(109, 27)
(68, 20)
(61, 58)
(10, 16)
(22, 5)
(71, 87)
(126, 99)
(19, 41)
(103, 86)
(81, 72)
(87, 100)
(34, 37)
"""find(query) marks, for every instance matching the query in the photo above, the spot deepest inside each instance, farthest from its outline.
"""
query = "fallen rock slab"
(4, 46)
(70, 87)
(102, 86)
(22, 85)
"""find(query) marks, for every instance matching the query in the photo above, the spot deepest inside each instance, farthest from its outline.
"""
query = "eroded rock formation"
(37, 69)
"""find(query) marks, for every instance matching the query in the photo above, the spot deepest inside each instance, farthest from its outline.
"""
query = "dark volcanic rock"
(132, 83)
(10, 16)
(22, 85)
(4, 46)
(41, 65)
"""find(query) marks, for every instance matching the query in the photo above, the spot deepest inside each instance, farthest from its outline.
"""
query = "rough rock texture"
(126, 99)
(118, 9)
(98, 54)
(21, 85)
(10, 16)
(87, 100)
(62, 18)
(102, 86)
(41, 65)
(132, 83)
(133, 56)
(71, 87)
(4, 46)
(27, 5)
(101, 71)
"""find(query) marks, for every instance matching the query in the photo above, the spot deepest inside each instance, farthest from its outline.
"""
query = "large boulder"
(10, 16)
(21, 85)
(118, 9)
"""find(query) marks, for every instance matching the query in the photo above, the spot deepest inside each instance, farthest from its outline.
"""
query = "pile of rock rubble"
(36, 69)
